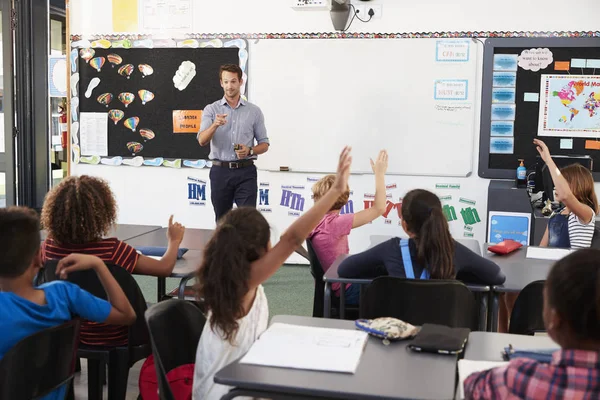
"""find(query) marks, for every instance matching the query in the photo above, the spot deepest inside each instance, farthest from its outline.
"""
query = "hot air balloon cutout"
(134, 147)
(147, 134)
(97, 63)
(116, 115)
(126, 70)
(114, 59)
(146, 70)
(87, 54)
(126, 98)
(105, 99)
(131, 123)
(145, 96)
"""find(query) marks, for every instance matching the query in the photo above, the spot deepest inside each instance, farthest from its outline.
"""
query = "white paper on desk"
(468, 367)
(547, 253)
(305, 347)
(93, 134)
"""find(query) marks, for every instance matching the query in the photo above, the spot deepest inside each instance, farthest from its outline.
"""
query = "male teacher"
(231, 125)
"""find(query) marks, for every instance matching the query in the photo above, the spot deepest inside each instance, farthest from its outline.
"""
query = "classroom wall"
(148, 195)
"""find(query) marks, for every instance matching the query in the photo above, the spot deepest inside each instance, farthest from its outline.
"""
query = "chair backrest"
(175, 328)
(527, 314)
(596, 237)
(40, 363)
(444, 302)
(316, 270)
(88, 281)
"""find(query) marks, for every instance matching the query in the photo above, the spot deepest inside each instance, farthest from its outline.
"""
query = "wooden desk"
(384, 372)
(520, 271)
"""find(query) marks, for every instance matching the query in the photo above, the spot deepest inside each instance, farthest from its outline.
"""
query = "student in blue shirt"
(26, 309)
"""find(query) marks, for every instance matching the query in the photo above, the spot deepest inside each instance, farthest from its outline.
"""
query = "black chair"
(119, 359)
(443, 302)
(175, 327)
(596, 237)
(527, 314)
(40, 363)
(316, 270)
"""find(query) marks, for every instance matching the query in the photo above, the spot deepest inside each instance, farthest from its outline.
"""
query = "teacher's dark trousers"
(232, 185)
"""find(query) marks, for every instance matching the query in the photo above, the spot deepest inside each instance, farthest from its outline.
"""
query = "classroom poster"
(506, 225)
(569, 106)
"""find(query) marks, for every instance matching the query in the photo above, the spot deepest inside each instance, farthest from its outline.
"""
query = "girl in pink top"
(330, 238)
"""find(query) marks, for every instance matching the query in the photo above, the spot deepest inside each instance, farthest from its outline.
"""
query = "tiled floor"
(81, 387)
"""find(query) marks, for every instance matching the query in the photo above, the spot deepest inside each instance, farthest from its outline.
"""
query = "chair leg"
(94, 379)
(78, 364)
(118, 374)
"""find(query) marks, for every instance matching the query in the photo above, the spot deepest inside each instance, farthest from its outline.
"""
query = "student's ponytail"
(241, 237)
(423, 216)
(435, 247)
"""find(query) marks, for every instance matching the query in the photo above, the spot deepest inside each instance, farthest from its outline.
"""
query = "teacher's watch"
(251, 151)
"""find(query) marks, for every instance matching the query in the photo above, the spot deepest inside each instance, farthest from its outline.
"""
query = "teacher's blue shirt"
(245, 124)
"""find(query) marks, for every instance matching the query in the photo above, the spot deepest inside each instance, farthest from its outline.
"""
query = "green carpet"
(289, 291)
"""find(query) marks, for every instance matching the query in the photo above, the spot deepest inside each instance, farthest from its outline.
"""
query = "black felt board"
(157, 114)
(503, 166)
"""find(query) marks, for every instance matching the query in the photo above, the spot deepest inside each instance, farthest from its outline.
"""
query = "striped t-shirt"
(580, 235)
(110, 250)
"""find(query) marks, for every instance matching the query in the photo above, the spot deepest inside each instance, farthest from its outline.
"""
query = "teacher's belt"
(233, 164)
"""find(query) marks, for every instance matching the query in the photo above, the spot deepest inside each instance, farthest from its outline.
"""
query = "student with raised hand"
(573, 225)
(78, 214)
(428, 253)
(572, 319)
(329, 239)
(237, 260)
(26, 309)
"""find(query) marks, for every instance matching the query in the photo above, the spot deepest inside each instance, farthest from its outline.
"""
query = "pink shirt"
(330, 240)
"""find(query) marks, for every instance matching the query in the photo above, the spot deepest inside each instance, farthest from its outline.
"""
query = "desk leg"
(342, 301)
(327, 301)
(161, 288)
(493, 323)
(483, 311)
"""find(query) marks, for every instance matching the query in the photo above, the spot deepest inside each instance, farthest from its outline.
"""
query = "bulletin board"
(140, 102)
(541, 88)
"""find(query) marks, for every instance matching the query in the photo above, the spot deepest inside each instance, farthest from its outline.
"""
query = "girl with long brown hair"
(428, 253)
(572, 226)
(237, 260)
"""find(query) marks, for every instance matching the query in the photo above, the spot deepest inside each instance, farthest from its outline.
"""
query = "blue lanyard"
(407, 262)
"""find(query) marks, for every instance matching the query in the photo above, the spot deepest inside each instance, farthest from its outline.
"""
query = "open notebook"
(468, 367)
(304, 347)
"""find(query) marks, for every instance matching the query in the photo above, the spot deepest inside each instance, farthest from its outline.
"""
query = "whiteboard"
(318, 95)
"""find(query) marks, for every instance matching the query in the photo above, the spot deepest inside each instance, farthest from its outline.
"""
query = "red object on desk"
(505, 247)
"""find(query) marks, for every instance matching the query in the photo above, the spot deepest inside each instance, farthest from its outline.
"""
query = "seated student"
(573, 225)
(77, 214)
(330, 238)
(572, 319)
(430, 251)
(237, 260)
(25, 309)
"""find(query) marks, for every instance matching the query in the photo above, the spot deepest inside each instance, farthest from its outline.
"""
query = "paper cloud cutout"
(535, 59)
(184, 75)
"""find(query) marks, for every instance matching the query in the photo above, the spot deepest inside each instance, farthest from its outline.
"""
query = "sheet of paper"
(566, 144)
(547, 253)
(94, 134)
(166, 15)
(532, 97)
(578, 62)
(468, 367)
(592, 63)
(561, 65)
(304, 347)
